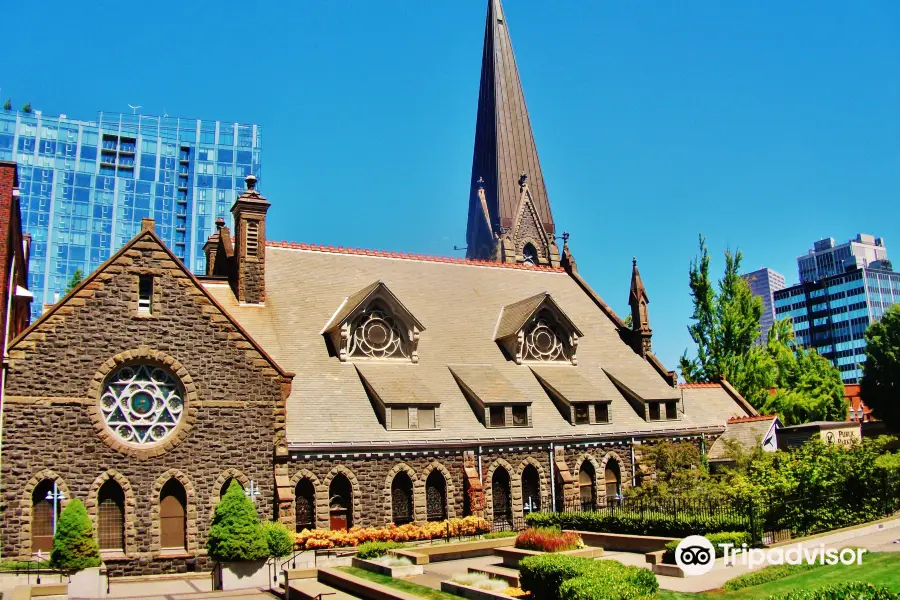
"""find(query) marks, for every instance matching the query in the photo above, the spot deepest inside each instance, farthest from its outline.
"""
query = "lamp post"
(252, 491)
(55, 497)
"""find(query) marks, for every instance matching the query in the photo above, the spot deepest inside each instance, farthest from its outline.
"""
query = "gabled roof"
(517, 314)
(569, 386)
(395, 384)
(487, 384)
(353, 302)
(748, 432)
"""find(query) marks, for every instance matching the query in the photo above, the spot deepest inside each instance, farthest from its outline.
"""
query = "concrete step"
(511, 576)
(309, 589)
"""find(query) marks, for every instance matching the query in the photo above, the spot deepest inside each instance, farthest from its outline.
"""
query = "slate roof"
(749, 433)
(396, 383)
(569, 385)
(460, 303)
(516, 315)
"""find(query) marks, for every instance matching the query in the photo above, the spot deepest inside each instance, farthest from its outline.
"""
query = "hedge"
(735, 538)
(854, 590)
(562, 577)
(773, 573)
(650, 522)
(371, 550)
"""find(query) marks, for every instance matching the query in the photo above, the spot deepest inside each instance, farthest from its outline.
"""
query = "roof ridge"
(699, 385)
(409, 256)
(751, 419)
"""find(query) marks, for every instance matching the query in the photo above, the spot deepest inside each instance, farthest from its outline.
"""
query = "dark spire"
(504, 152)
(640, 317)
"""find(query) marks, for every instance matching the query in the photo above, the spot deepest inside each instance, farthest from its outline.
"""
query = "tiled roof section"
(328, 406)
(396, 384)
(639, 385)
(516, 314)
(354, 301)
(487, 384)
(714, 399)
(698, 386)
(751, 419)
(748, 433)
(571, 387)
(409, 256)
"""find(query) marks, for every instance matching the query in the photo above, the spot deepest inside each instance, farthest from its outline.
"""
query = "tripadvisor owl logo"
(695, 555)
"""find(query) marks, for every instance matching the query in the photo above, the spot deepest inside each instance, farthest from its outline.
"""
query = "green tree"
(880, 385)
(726, 322)
(8, 104)
(628, 322)
(75, 281)
(27, 108)
(236, 534)
(74, 546)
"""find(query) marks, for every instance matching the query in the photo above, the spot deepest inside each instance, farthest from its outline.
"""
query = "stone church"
(341, 387)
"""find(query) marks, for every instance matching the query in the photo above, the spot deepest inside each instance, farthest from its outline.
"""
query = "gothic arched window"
(529, 254)
(402, 499)
(545, 340)
(375, 334)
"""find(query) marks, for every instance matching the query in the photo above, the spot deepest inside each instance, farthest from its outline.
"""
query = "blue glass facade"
(832, 314)
(86, 185)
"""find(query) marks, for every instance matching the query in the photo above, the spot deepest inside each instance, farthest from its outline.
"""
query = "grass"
(877, 569)
(399, 584)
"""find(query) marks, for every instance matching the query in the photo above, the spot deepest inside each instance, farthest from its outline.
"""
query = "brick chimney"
(249, 212)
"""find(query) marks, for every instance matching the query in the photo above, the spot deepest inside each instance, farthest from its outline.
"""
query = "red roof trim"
(699, 385)
(409, 256)
(751, 419)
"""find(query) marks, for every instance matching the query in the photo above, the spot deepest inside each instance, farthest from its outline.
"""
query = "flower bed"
(323, 538)
(548, 539)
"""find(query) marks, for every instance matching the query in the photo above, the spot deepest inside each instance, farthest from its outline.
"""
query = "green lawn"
(877, 569)
(399, 584)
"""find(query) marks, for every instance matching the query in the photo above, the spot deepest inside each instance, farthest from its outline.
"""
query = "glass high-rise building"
(832, 313)
(764, 283)
(825, 259)
(85, 185)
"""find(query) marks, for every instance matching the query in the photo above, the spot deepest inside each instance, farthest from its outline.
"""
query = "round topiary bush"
(74, 546)
(235, 534)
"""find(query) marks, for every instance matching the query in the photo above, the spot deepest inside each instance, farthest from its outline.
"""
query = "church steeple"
(640, 317)
(509, 212)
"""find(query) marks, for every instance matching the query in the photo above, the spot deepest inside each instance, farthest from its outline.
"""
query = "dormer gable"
(374, 324)
(537, 330)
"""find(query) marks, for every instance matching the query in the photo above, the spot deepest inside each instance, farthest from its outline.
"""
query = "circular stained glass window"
(142, 404)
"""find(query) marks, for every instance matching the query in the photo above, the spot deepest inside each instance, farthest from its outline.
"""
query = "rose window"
(377, 336)
(542, 342)
(142, 404)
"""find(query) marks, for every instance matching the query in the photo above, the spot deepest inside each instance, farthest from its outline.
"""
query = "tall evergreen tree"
(74, 546)
(880, 385)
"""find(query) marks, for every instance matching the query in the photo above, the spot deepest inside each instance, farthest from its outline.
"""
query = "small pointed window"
(145, 294)
(529, 254)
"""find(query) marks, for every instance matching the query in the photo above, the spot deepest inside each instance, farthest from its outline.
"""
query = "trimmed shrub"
(74, 546)
(279, 539)
(371, 550)
(548, 539)
(853, 590)
(561, 577)
(735, 538)
(765, 575)
(235, 534)
(495, 535)
(650, 522)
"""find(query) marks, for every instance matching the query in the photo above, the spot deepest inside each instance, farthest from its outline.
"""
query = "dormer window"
(580, 400)
(374, 324)
(650, 397)
(401, 399)
(497, 402)
(537, 330)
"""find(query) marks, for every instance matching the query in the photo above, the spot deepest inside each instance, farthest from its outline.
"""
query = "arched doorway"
(587, 492)
(501, 496)
(340, 494)
(172, 516)
(401, 499)
(613, 480)
(531, 490)
(43, 502)
(111, 516)
(436, 497)
(305, 505)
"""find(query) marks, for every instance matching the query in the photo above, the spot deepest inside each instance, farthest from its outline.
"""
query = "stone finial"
(523, 180)
(633, 261)
(220, 223)
(250, 180)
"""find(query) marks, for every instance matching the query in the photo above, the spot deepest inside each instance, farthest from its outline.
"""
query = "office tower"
(764, 283)
(832, 313)
(825, 259)
(86, 185)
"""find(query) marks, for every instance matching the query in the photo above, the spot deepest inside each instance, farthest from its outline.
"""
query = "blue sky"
(765, 125)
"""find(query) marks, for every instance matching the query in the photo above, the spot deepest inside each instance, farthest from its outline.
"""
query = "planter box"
(512, 556)
(668, 570)
(472, 593)
(243, 575)
(425, 554)
(623, 542)
(88, 583)
(405, 571)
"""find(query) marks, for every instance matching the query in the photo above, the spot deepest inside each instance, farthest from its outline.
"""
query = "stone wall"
(233, 407)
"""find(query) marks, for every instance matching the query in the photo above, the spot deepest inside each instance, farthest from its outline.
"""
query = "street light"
(252, 491)
(55, 497)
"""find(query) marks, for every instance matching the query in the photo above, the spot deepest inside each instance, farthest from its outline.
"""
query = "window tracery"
(142, 404)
